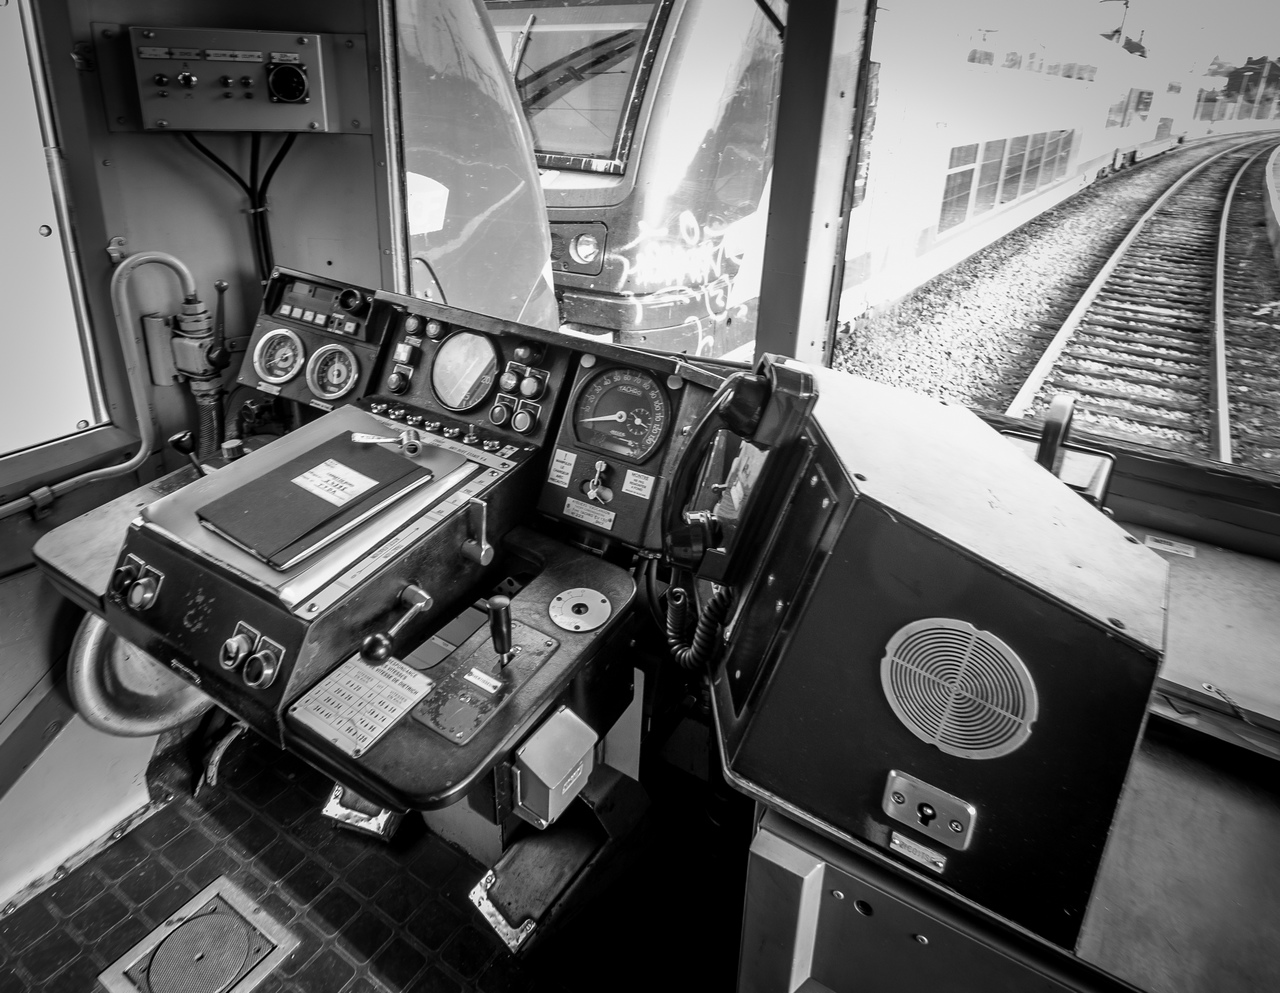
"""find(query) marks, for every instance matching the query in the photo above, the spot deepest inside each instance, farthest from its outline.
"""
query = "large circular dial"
(623, 412)
(465, 367)
(278, 356)
(332, 372)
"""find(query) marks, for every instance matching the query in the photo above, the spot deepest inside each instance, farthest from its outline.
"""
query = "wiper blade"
(572, 70)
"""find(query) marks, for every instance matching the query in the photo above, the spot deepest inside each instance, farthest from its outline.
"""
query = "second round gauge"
(623, 412)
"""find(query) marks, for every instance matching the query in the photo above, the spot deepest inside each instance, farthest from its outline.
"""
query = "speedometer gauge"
(332, 372)
(278, 356)
(622, 412)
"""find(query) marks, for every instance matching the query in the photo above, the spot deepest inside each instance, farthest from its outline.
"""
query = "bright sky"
(1195, 30)
(1190, 32)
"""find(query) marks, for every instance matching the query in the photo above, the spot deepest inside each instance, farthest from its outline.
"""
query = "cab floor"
(391, 917)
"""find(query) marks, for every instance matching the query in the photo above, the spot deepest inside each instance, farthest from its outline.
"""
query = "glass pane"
(1034, 154)
(955, 199)
(477, 220)
(989, 177)
(1064, 152)
(574, 69)
(1013, 169)
(963, 155)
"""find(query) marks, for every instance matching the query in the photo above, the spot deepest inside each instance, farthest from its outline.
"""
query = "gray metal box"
(553, 766)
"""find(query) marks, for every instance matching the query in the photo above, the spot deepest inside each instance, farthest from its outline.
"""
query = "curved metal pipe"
(135, 362)
(120, 689)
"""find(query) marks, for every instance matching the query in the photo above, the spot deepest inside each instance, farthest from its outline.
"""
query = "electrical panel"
(207, 79)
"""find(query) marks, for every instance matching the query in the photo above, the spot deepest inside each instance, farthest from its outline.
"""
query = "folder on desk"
(299, 507)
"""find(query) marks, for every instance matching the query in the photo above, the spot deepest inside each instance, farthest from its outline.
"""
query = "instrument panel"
(617, 417)
(315, 342)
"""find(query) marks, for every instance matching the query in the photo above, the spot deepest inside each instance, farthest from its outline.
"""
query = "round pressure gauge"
(332, 372)
(622, 412)
(278, 356)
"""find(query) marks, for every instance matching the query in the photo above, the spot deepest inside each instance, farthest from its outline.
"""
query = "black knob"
(499, 414)
(434, 329)
(160, 79)
(142, 593)
(246, 81)
(183, 442)
(187, 79)
(235, 650)
(524, 421)
(500, 626)
(376, 647)
(352, 301)
(528, 352)
(123, 578)
(227, 81)
(260, 669)
(397, 382)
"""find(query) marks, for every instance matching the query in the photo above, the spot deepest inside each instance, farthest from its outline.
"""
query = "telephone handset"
(750, 433)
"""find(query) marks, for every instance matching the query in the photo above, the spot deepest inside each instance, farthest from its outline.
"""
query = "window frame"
(615, 163)
(67, 145)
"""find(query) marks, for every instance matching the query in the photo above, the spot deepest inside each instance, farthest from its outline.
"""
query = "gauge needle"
(620, 416)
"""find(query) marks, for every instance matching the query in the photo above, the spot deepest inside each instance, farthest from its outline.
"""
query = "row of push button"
(313, 317)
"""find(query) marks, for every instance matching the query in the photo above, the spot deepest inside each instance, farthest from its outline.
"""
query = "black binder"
(299, 507)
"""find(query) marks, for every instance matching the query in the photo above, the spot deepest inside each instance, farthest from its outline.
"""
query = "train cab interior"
(390, 605)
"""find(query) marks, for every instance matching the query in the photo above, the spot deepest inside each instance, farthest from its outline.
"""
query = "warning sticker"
(637, 484)
(597, 516)
(562, 468)
(333, 481)
(1166, 545)
(357, 704)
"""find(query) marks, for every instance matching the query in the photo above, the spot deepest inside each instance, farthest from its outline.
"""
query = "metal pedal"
(349, 809)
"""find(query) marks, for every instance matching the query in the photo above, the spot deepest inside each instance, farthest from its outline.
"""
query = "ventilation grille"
(959, 688)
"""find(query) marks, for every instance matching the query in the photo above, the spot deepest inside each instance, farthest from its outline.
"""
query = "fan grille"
(959, 688)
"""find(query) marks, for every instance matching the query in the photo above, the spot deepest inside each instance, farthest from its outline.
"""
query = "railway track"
(1162, 349)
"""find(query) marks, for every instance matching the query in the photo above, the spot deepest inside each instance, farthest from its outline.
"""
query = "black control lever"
(378, 646)
(500, 628)
(184, 443)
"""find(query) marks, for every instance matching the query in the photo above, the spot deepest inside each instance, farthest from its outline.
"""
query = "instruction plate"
(356, 704)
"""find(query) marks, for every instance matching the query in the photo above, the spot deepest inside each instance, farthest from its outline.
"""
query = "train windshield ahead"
(579, 71)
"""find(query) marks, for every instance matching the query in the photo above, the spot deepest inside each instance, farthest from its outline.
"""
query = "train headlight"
(585, 248)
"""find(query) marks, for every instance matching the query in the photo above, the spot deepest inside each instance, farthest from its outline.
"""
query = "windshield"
(576, 70)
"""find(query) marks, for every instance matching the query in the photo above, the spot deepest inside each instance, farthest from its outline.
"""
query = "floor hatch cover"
(220, 941)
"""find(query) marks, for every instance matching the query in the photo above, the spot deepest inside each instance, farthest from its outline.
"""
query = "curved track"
(1145, 351)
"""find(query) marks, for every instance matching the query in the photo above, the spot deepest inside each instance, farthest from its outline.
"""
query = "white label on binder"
(334, 482)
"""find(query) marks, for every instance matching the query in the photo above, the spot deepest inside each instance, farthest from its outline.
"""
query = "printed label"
(572, 778)
(1165, 545)
(562, 468)
(917, 853)
(357, 704)
(152, 52)
(597, 516)
(483, 680)
(230, 55)
(334, 482)
(637, 484)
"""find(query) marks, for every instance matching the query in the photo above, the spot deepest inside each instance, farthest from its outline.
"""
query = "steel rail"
(1218, 392)
(1026, 395)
